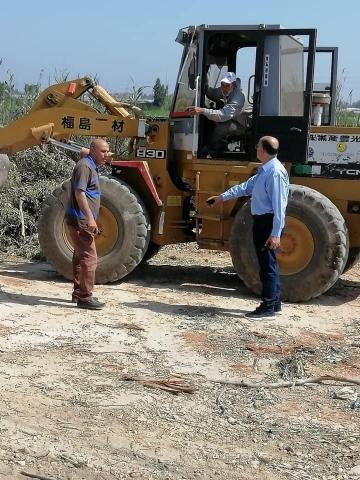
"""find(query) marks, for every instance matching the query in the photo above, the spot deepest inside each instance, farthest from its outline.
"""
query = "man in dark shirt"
(229, 119)
(81, 214)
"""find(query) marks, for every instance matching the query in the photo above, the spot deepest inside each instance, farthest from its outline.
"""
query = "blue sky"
(120, 41)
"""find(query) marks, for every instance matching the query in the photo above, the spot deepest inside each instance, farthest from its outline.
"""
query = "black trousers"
(268, 266)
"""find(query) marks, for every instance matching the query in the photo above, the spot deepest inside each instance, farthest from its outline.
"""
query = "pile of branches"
(33, 176)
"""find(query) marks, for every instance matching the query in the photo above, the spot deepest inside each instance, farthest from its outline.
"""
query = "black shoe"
(260, 314)
(277, 309)
(92, 304)
(75, 298)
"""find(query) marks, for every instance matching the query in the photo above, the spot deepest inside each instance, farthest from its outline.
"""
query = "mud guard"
(144, 172)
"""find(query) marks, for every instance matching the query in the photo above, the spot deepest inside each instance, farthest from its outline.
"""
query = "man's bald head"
(99, 149)
(98, 143)
(270, 145)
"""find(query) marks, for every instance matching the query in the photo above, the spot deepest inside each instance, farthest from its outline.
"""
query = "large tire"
(353, 258)
(123, 221)
(314, 247)
(152, 250)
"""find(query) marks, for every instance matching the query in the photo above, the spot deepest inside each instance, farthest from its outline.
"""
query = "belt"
(264, 215)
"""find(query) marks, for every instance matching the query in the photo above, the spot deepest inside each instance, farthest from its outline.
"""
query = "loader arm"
(59, 114)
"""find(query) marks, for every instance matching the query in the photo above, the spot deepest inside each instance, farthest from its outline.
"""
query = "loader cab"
(274, 68)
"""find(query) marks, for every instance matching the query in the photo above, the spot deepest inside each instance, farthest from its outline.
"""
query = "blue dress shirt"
(269, 191)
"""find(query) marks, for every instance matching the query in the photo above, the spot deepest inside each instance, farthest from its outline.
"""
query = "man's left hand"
(273, 242)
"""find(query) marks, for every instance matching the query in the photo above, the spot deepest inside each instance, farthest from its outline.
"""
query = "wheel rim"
(108, 237)
(296, 248)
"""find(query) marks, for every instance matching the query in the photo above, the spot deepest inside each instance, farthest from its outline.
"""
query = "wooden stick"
(173, 384)
(22, 221)
(129, 326)
(243, 383)
(35, 475)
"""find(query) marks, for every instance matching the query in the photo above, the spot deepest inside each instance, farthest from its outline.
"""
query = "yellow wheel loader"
(156, 195)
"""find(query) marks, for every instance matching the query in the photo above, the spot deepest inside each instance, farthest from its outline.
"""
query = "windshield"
(185, 93)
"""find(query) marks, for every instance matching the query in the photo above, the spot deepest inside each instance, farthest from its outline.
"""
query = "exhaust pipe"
(4, 168)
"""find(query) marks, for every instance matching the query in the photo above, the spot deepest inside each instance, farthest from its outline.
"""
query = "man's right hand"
(214, 200)
(195, 110)
(92, 227)
(84, 152)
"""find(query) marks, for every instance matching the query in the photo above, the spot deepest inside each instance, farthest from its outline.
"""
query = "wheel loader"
(156, 194)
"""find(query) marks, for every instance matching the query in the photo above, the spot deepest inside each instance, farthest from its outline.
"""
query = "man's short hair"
(95, 142)
(268, 147)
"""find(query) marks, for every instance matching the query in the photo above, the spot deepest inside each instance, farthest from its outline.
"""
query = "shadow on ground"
(22, 299)
(30, 271)
(220, 281)
(187, 310)
(192, 278)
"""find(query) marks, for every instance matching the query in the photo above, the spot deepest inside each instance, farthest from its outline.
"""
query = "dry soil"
(67, 411)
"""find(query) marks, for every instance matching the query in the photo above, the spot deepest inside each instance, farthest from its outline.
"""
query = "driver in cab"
(227, 118)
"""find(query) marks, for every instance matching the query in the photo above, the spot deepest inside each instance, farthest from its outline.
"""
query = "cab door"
(325, 80)
(283, 89)
(183, 123)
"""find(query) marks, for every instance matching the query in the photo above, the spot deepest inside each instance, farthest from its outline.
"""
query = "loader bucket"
(4, 168)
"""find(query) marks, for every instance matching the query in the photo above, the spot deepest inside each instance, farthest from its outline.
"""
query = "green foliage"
(33, 176)
(163, 111)
(160, 93)
(136, 94)
(345, 118)
(14, 104)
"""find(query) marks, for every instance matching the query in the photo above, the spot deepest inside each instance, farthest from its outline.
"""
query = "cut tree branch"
(22, 221)
(174, 384)
(35, 475)
(304, 381)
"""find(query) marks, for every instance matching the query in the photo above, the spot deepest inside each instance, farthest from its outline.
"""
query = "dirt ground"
(68, 412)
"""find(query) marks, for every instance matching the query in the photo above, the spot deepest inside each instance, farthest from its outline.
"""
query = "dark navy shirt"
(85, 177)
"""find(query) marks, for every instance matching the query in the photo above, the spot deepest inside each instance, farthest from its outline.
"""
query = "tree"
(160, 92)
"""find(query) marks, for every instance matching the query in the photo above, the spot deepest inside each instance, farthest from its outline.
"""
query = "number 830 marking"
(143, 152)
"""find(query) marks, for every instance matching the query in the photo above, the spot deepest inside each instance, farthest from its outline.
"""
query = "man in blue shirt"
(269, 190)
(81, 213)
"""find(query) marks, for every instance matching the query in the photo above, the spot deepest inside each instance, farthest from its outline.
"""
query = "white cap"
(230, 77)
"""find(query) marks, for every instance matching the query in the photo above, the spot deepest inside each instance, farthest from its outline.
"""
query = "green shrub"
(33, 175)
(344, 118)
(155, 111)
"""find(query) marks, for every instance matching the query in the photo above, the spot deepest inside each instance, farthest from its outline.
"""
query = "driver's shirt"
(234, 104)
